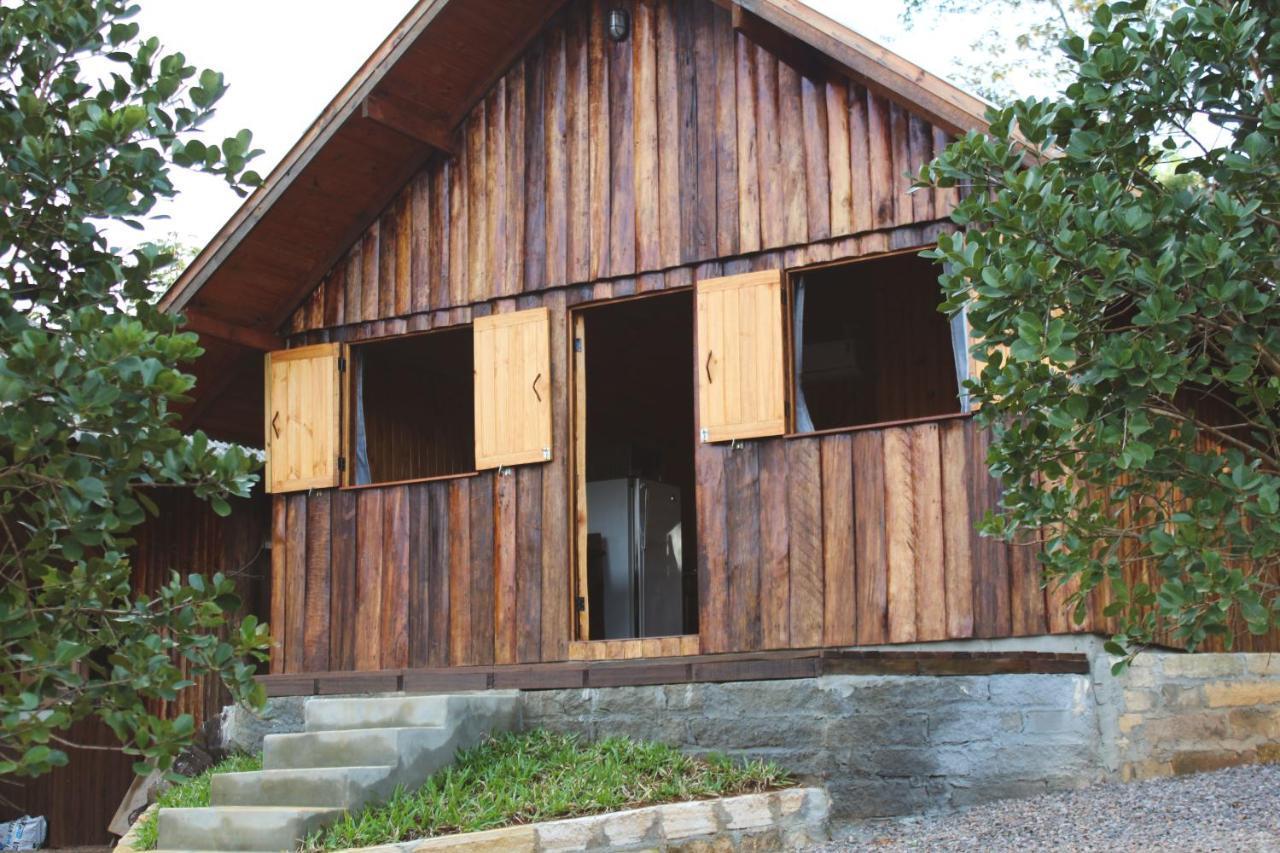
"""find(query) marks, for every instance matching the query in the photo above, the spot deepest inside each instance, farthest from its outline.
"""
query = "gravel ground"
(1229, 810)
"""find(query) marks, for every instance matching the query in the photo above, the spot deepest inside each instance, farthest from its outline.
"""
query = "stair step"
(327, 787)
(346, 747)
(240, 828)
(323, 715)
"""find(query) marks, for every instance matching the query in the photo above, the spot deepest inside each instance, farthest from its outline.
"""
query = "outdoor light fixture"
(619, 24)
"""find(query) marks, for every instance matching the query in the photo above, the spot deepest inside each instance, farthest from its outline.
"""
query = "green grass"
(538, 775)
(193, 793)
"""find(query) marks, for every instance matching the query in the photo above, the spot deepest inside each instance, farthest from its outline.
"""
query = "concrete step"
(326, 787)
(347, 747)
(326, 715)
(240, 828)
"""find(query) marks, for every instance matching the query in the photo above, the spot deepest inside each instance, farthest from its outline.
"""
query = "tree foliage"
(1132, 323)
(93, 117)
(1018, 51)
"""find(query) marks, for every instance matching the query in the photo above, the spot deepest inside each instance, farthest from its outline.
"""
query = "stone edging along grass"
(775, 820)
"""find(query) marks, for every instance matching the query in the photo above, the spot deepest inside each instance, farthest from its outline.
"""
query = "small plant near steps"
(354, 752)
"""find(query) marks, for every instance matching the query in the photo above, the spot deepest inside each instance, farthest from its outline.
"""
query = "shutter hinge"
(342, 463)
(705, 435)
(342, 363)
(546, 454)
(577, 344)
(581, 603)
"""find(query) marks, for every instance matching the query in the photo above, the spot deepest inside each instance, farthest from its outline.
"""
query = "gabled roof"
(405, 105)
(406, 101)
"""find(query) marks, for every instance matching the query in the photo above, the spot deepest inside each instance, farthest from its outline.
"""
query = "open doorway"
(637, 536)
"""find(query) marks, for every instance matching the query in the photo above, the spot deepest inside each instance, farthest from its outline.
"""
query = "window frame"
(789, 306)
(348, 423)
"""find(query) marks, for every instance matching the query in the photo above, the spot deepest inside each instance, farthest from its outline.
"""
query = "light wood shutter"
(302, 418)
(741, 369)
(513, 388)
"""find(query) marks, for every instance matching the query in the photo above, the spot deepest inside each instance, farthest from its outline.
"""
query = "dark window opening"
(641, 517)
(871, 346)
(412, 413)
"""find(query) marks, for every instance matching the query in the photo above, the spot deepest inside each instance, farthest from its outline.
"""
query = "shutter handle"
(710, 354)
(275, 427)
(535, 387)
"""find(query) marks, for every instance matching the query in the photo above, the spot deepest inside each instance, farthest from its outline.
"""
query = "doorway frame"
(581, 646)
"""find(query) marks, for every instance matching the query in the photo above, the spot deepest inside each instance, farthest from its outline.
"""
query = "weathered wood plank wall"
(592, 160)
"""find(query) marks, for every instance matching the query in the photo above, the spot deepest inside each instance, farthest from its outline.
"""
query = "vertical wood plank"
(748, 160)
(403, 253)
(578, 124)
(315, 656)
(395, 578)
(804, 512)
(438, 242)
(713, 547)
(795, 202)
(901, 152)
(517, 181)
(769, 150)
(991, 615)
(622, 219)
(388, 237)
(668, 95)
(555, 146)
(418, 570)
(775, 573)
(433, 518)
(880, 161)
(504, 191)
(342, 605)
(926, 474)
(462, 599)
(479, 285)
(872, 581)
(296, 587)
(369, 273)
(556, 560)
(645, 110)
(838, 152)
(528, 563)
(368, 602)
(601, 181)
(535, 166)
(504, 569)
(860, 190)
(459, 284)
(742, 475)
(727, 186)
(900, 535)
(838, 543)
(420, 258)
(921, 142)
(705, 83)
(687, 121)
(279, 580)
(483, 566)
(944, 199)
(818, 186)
(957, 469)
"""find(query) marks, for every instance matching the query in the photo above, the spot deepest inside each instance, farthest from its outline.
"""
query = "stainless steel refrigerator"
(638, 522)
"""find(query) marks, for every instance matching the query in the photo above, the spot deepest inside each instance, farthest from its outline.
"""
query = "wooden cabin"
(595, 330)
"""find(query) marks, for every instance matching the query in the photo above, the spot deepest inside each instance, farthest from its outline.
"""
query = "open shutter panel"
(741, 369)
(303, 418)
(513, 388)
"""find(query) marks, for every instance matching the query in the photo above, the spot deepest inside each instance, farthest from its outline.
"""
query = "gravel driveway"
(1229, 810)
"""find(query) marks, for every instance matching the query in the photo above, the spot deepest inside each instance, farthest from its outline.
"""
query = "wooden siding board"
(775, 573)
(368, 602)
(622, 219)
(316, 615)
(838, 542)
(728, 240)
(957, 469)
(742, 580)
(872, 583)
(804, 512)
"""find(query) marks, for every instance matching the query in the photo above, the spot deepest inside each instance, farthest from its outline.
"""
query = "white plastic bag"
(24, 833)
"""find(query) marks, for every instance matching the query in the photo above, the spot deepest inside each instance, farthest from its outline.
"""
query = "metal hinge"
(342, 463)
(342, 363)
(705, 435)
(546, 454)
(577, 344)
(581, 603)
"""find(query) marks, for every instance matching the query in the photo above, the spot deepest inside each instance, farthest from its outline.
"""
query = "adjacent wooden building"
(596, 330)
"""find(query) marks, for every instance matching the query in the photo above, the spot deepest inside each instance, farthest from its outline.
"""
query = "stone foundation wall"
(892, 745)
(1187, 713)
(882, 744)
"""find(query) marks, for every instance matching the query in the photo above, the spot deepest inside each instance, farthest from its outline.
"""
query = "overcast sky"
(284, 60)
